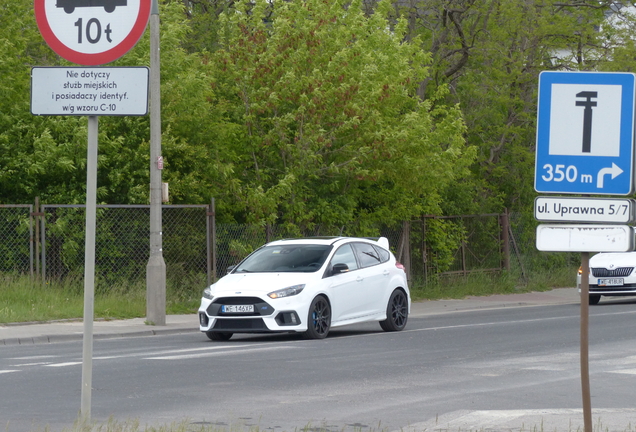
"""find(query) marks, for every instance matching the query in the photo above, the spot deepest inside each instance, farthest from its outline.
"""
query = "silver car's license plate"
(611, 282)
(237, 309)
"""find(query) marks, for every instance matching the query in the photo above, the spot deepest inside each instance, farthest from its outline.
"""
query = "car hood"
(619, 259)
(245, 283)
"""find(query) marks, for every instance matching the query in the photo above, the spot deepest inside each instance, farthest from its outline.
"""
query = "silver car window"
(345, 255)
(383, 253)
(367, 254)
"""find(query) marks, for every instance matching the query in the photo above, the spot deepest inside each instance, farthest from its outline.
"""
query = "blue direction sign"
(585, 133)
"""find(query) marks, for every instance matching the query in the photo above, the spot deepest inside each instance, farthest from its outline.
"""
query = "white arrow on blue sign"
(585, 133)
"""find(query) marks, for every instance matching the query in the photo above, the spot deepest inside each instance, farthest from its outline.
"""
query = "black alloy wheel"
(318, 319)
(397, 312)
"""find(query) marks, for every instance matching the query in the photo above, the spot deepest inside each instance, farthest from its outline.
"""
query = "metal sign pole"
(89, 269)
(585, 369)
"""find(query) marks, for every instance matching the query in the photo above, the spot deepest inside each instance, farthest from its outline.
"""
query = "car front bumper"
(628, 288)
(266, 317)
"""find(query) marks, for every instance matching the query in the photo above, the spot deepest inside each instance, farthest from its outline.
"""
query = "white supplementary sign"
(585, 133)
(585, 238)
(601, 210)
(101, 91)
(91, 32)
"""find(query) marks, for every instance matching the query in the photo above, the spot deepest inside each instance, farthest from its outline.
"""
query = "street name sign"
(102, 91)
(92, 32)
(569, 209)
(585, 238)
(585, 133)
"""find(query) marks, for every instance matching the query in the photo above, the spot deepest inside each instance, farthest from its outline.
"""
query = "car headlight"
(286, 292)
(207, 293)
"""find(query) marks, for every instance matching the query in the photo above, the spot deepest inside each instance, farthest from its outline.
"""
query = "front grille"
(238, 300)
(240, 324)
(617, 272)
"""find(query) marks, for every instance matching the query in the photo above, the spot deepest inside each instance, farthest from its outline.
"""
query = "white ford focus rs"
(308, 286)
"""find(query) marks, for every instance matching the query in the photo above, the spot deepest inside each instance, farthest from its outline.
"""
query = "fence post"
(424, 252)
(37, 236)
(406, 234)
(31, 243)
(463, 250)
(211, 237)
(43, 239)
(505, 239)
(268, 233)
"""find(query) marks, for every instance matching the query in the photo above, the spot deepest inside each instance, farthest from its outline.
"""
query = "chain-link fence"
(196, 250)
(16, 238)
(524, 254)
(456, 245)
(122, 242)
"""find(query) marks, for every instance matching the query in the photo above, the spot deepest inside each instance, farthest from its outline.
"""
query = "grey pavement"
(559, 420)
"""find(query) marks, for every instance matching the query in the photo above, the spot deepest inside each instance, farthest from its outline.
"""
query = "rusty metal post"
(505, 239)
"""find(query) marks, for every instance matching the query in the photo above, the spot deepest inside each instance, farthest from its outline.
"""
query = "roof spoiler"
(382, 241)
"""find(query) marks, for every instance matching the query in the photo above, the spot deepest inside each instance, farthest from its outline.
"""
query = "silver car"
(611, 274)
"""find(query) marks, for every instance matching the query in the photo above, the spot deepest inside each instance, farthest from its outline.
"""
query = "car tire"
(397, 312)
(219, 336)
(318, 319)
(595, 298)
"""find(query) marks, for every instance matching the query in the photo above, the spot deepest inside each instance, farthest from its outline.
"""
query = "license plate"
(611, 282)
(237, 309)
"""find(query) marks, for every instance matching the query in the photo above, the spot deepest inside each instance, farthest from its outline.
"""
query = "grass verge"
(484, 284)
(24, 300)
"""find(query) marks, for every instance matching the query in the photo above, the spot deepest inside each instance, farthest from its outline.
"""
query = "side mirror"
(339, 268)
(230, 268)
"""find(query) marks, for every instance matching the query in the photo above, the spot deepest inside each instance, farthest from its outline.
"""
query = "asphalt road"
(442, 367)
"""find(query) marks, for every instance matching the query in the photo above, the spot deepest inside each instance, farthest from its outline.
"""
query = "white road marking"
(175, 354)
(63, 364)
(174, 351)
(38, 357)
(215, 354)
(8, 371)
(624, 371)
(31, 364)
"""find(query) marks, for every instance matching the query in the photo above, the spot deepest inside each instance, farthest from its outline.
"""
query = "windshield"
(286, 259)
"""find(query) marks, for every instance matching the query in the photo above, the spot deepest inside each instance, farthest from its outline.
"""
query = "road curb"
(77, 337)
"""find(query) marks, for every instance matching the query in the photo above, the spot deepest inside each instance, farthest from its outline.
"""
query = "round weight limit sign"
(92, 32)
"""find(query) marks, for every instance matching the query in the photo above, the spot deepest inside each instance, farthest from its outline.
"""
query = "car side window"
(345, 255)
(383, 253)
(367, 254)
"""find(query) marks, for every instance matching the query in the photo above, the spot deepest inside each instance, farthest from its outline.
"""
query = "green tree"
(46, 156)
(331, 128)
(490, 53)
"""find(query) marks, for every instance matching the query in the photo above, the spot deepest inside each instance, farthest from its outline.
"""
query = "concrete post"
(156, 268)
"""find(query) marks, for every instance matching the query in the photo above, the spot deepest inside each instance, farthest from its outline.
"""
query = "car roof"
(380, 241)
